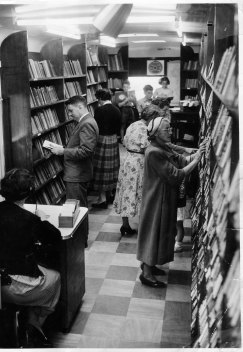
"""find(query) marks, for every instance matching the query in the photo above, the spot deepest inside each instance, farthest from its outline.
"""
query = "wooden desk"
(72, 262)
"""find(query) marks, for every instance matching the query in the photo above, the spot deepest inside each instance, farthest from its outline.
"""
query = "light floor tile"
(101, 246)
(92, 286)
(138, 344)
(146, 308)
(96, 271)
(120, 288)
(97, 218)
(117, 272)
(95, 226)
(178, 293)
(111, 305)
(99, 258)
(187, 223)
(93, 235)
(129, 239)
(110, 227)
(106, 326)
(140, 329)
(88, 302)
(124, 259)
(181, 266)
(98, 342)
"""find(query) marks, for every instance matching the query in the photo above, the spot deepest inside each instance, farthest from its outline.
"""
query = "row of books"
(53, 136)
(41, 69)
(102, 76)
(91, 109)
(43, 120)
(91, 93)
(191, 65)
(42, 95)
(191, 83)
(72, 68)
(115, 62)
(115, 83)
(52, 192)
(47, 170)
(92, 58)
(71, 89)
(90, 77)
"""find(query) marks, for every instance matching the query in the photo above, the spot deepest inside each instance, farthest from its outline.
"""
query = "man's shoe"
(155, 284)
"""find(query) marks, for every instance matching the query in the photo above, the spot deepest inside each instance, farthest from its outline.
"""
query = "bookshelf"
(35, 87)
(189, 73)
(215, 214)
(117, 68)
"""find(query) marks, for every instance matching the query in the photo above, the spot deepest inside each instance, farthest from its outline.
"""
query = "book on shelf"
(43, 120)
(71, 89)
(210, 71)
(92, 58)
(90, 76)
(41, 69)
(224, 67)
(115, 62)
(42, 95)
(191, 65)
(115, 83)
(191, 83)
(72, 68)
(102, 77)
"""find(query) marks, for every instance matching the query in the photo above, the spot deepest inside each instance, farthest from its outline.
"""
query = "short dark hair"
(147, 87)
(76, 99)
(150, 112)
(103, 94)
(165, 79)
(161, 102)
(17, 184)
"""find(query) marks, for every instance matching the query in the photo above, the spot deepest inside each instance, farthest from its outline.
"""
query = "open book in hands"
(49, 145)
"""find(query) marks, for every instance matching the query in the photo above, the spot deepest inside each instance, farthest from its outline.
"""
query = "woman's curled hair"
(17, 184)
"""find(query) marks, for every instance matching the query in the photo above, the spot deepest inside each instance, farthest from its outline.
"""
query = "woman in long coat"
(164, 170)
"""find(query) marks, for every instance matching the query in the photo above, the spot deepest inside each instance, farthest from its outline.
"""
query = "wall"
(152, 50)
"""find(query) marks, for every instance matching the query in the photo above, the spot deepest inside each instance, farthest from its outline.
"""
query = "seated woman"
(31, 285)
(164, 170)
(130, 180)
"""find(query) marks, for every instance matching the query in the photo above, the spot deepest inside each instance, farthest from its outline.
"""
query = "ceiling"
(191, 18)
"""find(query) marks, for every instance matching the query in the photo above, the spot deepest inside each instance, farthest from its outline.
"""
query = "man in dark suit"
(78, 170)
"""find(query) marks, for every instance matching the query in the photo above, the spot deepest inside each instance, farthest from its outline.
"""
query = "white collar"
(87, 113)
(107, 102)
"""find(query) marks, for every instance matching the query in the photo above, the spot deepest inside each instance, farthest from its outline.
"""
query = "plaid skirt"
(106, 163)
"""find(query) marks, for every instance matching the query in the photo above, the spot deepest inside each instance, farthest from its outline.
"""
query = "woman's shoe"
(102, 205)
(151, 283)
(127, 231)
(155, 270)
(36, 338)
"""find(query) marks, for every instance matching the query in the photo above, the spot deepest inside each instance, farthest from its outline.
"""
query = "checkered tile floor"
(117, 310)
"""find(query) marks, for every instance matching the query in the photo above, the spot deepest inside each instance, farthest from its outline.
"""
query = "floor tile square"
(111, 305)
(138, 344)
(95, 226)
(140, 329)
(181, 266)
(79, 323)
(179, 277)
(177, 316)
(96, 271)
(109, 236)
(176, 336)
(129, 248)
(101, 246)
(129, 239)
(110, 227)
(146, 308)
(119, 288)
(123, 259)
(88, 302)
(117, 272)
(146, 292)
(99, 211)
(98, 218)
(114, 219)
(105, 326)
(93, 285)
(98, 342)
(99, 258)
(93, 235)
(178, 293)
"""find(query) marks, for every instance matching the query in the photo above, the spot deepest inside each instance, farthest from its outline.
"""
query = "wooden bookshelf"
(189, 73)
(35, 86)
(215, 215)
(117, 68)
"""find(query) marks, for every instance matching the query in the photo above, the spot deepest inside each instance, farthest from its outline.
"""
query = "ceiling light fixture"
(54, 21)
(64, 32)
(138, 35)
(148, 41)
(150, 19)
(184, 40)
(107, 41)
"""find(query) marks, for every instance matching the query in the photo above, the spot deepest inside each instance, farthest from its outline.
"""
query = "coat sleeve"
(88, 138)
(165, 169)
(45, 232)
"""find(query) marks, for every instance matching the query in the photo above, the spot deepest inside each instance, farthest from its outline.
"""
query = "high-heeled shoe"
(151, 283)
(127, 231)
(155, 270)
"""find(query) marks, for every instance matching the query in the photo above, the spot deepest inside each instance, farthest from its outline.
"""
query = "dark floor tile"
(99, 211)
(187, 231)
(127, 273)
(93, 285)
(138, 344)
(112, 305)
(114, 219)
(146, 292)
(179, 337)
(108, 236)
(79, 323)
(126, 247)
(179, 277)
(177, 317)
(187, 252)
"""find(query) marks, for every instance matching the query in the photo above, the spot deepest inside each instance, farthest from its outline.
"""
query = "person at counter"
(30, 284)
(164, 91)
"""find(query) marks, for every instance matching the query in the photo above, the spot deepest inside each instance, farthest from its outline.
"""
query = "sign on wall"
(155, 67)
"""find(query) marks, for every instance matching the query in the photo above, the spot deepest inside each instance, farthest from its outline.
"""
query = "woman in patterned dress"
(130, 180)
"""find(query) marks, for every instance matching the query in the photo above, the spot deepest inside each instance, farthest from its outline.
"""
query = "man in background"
(148, 95)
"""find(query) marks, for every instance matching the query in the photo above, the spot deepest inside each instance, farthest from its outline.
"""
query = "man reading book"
(78, 154)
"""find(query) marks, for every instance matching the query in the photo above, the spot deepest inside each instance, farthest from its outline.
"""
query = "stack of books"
(42, 95)
(115, 62)
(72, 68)
(41, 69)
(71, 89)
(43, 120)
